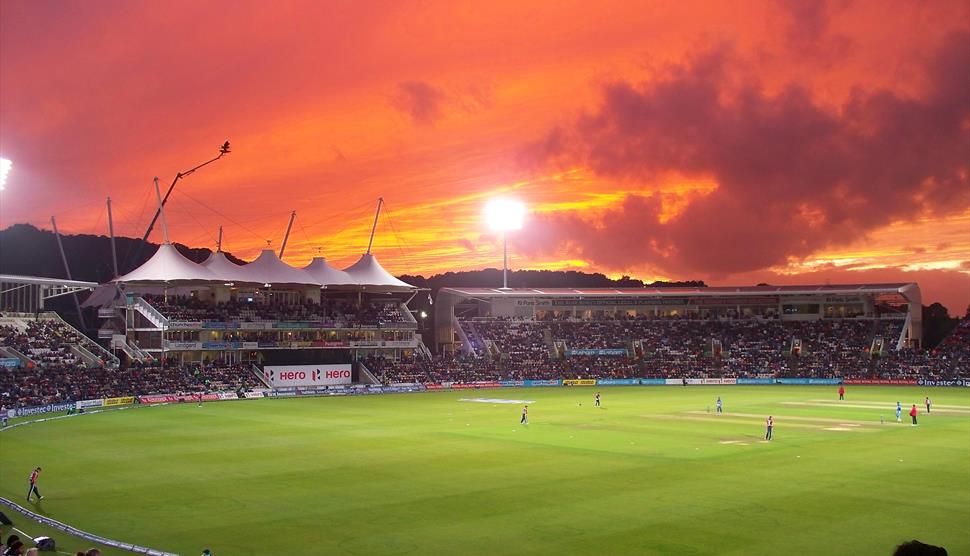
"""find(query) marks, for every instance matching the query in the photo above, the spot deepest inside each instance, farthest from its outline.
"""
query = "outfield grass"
(649, 473)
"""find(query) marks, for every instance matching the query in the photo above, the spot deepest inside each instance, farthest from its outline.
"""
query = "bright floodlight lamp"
(504, 215)
(5, 166)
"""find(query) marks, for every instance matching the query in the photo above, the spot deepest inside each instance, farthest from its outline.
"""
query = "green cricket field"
(655, 470)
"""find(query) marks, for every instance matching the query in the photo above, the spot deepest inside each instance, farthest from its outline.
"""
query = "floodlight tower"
(505, 215)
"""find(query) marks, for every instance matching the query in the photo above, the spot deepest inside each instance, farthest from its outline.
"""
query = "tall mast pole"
(111, 233)
(287, 235)
(505, 260)
(373, 230)
(223, 151)
(67, 269)
(161, 210)
(219, 243)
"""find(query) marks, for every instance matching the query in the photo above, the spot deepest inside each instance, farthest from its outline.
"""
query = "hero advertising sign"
(307, 375)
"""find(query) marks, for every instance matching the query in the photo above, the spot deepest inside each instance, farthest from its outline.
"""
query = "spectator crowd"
(333, 313)
(510, 349)
(517, 349)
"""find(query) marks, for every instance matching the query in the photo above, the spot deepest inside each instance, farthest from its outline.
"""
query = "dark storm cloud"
(794, 176)
(422, 101)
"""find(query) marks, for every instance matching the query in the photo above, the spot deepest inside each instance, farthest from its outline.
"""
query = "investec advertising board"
(307, 375)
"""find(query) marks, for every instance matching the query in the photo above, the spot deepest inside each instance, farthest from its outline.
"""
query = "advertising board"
(84, 404)
(955, 382)
(49, 408)
(543, 382)
(307, 375)
(617, 381)
(579, 382)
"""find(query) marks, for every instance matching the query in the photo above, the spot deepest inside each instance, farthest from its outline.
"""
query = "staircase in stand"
(153, 315)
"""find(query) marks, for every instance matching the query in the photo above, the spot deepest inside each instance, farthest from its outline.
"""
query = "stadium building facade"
(457, 309)
(266, 312)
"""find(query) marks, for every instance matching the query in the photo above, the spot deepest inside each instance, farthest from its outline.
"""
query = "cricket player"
(720, 407)
(770, 423)
(597, 402)
(928, 404)
(841, 392)
(33, 485)
(899, 411)
(525, 416)
(912, 413)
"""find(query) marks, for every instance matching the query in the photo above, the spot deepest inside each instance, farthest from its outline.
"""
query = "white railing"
(151, 313)
(466, 344)
(92, 348)
(365, 372)
(901, 341)
(134, 352)
(89, 358)
(16, 354)
(259, 375)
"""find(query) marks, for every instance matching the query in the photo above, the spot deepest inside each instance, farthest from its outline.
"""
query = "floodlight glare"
(5, 166)
(504, 214)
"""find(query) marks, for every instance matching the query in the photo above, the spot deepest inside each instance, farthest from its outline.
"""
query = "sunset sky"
(733, 142)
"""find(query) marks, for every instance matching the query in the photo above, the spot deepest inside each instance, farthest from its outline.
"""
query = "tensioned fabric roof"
(368, 272)
(168, 266)
(225, 269)
(327, 275)
(269, 269)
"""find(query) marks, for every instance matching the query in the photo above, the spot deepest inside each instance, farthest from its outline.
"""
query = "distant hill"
(27, 250)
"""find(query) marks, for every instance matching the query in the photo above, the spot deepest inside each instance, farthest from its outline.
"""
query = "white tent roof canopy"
(167, 265)
(269, 269)
(326, 275)
(368, 272)
(225, 269)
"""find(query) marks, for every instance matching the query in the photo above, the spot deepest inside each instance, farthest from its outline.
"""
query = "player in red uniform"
(841, 392)
(33, 485)
(912, 413)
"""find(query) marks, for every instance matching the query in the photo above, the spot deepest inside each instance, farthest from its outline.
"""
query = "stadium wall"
(366, 389)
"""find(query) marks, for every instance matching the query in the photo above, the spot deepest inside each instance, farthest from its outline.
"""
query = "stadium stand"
(333, 313)
(55, 370)
(680, 348)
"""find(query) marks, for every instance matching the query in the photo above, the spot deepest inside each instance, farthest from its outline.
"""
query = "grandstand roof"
(327, 275)
(167, 265)
(838, 289)
(269, 269)
(368, 272)
(41, 281)
(225, 269)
